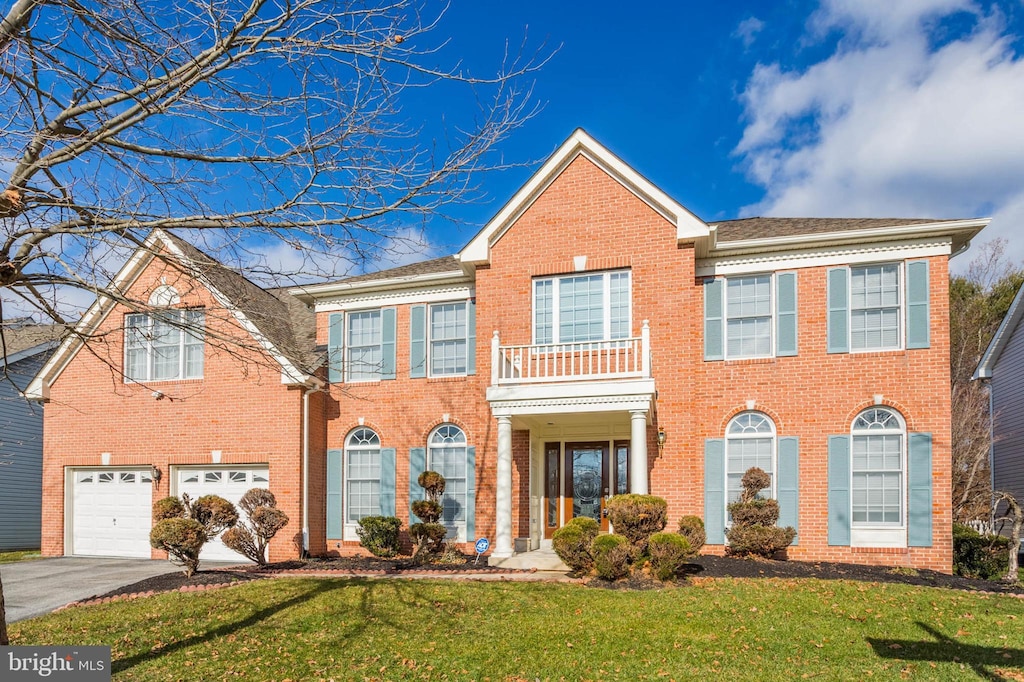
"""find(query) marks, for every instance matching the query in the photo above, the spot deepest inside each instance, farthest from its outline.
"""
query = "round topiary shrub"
(611, 556)
(692, 528)
(168, 508)
(433, 483)
(637, 518)
(215, 513)
(668, 553)
(379, 534)
(757, 512)
(255, 498)
(753, 528)
(979, 556)
(762, 541)
(572, 541)
(429, 537)
(182, 539)
(427, 511)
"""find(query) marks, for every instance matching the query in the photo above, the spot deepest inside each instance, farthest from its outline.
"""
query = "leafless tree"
(244, 125)
(1013, 514)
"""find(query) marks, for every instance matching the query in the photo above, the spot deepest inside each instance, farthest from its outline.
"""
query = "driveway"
(35, 587)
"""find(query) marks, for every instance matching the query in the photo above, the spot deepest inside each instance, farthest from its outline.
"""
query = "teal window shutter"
(919, 482)
(418, 341)
(387, 481)
(838, 310)
(417, 465)
(470, 494)
(918, 314)
(785, 314)
(714, 346)
(788, 483)
(714, 490)
(471, 336)
(387, 343)
(335, 347)
(335, 511)
(839, 490)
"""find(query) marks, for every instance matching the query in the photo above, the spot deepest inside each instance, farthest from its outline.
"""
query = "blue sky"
(832, 108)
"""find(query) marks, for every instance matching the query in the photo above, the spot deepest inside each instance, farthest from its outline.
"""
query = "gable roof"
(278, 326)
(22, 340)
(1001, 338)
(688, 225)
(764, 228)
(427, 267)
(437, 271)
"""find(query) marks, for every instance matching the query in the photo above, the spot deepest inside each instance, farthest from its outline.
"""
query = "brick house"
(594, 338)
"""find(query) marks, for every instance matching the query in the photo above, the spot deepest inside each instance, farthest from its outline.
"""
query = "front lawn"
(321, 629)
(22, 555)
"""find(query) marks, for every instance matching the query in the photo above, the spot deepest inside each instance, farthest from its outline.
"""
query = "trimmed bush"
(214, 512)
(979, 556)
(611, 556)
(182, 539)
(762, 541)
(753, 528)
(428, 511)
(692, 528)
(379, 534)
(757, 512)
(255, 498)
(168, 508)
(433, 483)
(572, 541)
(637, 518)
(265, 519)
(429, 537)
(668, 553)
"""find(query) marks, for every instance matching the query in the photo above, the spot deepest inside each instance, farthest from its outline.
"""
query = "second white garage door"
(228, 482)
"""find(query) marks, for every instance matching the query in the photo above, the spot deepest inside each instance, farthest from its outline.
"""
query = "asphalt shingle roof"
(19, 336)
(762, 228)
(426, 267)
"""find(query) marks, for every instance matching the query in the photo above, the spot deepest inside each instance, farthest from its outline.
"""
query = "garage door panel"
(230, 483)
(111, 513)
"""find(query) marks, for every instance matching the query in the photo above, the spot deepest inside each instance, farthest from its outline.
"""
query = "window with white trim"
(448, 330)
(364, 349)
(165, 345)
(877, 466)
(580, 308)
(749, 442)
(446, 454)
(875, 307)
(748, 316)
(362, 475)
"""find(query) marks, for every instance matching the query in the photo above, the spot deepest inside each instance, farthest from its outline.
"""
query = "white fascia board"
(39, 387)
(1001, 337)
(571, 397)
(688, 226)
(317, 292)
(380, 299)
(823, 257)
(961, 230)
(290, 374)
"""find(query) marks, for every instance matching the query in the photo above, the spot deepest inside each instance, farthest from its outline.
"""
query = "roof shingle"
(763, 228)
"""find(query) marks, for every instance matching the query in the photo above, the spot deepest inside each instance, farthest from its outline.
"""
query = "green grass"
(322, 629)
(23, 555)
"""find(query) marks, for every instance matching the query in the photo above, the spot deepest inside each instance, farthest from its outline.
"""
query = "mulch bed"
(701, 567)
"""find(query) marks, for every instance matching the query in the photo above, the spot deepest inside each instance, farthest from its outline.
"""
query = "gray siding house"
(23, 350)
(1003, 367)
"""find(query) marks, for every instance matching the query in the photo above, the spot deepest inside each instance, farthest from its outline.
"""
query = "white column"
(637, 451)
(503, 493)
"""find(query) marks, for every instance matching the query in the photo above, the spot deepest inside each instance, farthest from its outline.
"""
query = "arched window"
(749, 442)
(446, 454)
(362, 475)
(877, 466)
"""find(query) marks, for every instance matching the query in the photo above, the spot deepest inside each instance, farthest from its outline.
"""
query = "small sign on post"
(482, 545)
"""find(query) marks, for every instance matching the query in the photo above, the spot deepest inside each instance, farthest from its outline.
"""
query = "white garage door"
(230, 483)
(111, 512)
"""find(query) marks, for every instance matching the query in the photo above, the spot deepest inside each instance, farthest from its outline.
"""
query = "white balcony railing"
(588, 360)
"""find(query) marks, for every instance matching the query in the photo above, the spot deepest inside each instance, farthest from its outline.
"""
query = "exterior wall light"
(157, 474)
(662, 437)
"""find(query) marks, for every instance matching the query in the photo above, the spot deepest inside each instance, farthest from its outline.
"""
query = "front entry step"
(543, 559)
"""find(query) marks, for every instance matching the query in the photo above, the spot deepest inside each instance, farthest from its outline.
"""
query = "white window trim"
(876, 534)
(771, 319)
(429, 341)
(460, 527)
(348, 529)
(901, 315)
(606, 306)
(182, 327)
(345, 346)
(775, 457)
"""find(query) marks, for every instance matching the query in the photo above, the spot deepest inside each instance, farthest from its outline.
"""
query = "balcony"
(571, 362)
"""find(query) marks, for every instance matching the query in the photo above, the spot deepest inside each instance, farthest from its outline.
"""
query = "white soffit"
(688, 226)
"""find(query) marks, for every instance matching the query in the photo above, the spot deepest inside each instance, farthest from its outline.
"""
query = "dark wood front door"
(586, 481)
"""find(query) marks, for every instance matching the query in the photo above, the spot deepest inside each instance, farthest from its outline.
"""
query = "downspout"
(991, 449)
(305, 468)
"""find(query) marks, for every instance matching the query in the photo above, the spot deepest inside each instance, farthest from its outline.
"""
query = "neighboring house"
(594, 338)
(1002, 367)
(24, 347)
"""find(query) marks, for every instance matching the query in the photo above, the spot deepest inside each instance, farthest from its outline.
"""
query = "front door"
(586, 481)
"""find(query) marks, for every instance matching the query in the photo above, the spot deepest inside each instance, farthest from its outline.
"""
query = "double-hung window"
(165, 345)
(749, 442)
(362, 475)
(748, 314)
(364, 346)
(446, 454)
(877, 468)
(875, 307)
(581, 308)
(449, 329)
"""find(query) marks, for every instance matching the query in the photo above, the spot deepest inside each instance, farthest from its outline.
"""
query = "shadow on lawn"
(944, 649)
(403, 590)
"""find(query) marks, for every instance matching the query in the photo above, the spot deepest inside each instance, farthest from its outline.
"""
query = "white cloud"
(747, 30)
(890, 125)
